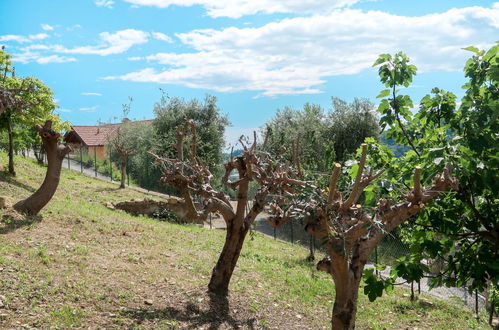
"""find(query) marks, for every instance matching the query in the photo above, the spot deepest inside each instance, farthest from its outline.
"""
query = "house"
(94, 139)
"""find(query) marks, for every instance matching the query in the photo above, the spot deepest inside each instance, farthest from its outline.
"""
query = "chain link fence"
(386, 253)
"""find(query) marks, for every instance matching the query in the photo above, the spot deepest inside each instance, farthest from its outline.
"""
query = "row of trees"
(294, 135)
(451, 148)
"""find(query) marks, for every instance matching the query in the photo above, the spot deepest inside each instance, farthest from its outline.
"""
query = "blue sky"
(255, 56)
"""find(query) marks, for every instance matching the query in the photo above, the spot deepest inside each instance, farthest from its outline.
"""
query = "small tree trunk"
(39, 154)
(55, 155)
(123, 171)
(345, 302)
(222, 272)
(11, 145)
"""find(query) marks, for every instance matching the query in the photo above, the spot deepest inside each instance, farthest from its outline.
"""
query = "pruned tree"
(55, 155)
(193, 179)
(123, 141)
(350, 232)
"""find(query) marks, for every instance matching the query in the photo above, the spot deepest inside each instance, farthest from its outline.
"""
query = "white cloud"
(89, 109)
(23, 39)
(238, 8)
(74, 27)
(39, 36)
(64, 110)
(28, 56)
(92, 94)
(104, 3)
(161, 36)
(111, 43)
(54, 59)
(46, 27)
(295, 56)
(13, 37)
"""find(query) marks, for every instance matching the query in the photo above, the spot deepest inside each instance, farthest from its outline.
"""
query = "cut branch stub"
(332, 184)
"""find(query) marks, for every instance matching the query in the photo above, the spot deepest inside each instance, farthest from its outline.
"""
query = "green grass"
(82, 265)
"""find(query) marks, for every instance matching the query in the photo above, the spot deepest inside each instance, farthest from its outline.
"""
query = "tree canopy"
(173, 112)
(463, 228)
(334, 135)
(25, 102)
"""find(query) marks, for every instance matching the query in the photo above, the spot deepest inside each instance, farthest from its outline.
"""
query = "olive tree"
(55, 155)
(192, 178)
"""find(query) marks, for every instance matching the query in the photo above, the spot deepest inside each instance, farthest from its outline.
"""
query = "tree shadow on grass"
(7, 177)
(193, 316)
(109, 189)
(12, 220)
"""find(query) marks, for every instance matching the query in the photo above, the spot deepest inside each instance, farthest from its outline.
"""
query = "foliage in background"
(17, 125)
(210, 127)
(321, 138)
(160, 136)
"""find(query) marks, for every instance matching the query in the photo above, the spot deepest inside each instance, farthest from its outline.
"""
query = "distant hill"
(398, 149)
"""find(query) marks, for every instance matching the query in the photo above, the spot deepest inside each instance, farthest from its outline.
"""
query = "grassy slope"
(85, 265)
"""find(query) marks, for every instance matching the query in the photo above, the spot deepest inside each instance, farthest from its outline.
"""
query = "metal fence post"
(210, 222)
(292, 233)
(376, 259)
(476, 304)
(275, 234)
(81, 159)
(127, 173)
(110, 164)
(69, 163)
(95, 160)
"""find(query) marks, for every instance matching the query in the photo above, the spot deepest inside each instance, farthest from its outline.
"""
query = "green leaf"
(383, 93)
(471, 49)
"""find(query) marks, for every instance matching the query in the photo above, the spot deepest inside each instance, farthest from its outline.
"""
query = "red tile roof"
(97, 135)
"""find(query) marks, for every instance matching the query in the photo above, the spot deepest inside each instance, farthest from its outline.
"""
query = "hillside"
(80, 264)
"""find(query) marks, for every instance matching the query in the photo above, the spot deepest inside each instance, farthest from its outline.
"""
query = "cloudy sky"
(255, 56)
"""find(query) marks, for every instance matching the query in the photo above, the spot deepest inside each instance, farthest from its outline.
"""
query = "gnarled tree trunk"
(222, 272)
(350, 233)
(347, 276)
(193, 178)
(55, 155)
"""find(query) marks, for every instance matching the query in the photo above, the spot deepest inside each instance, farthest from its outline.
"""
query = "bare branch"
(356, 189)
(253, 146)
(179, 145)
(193, 142)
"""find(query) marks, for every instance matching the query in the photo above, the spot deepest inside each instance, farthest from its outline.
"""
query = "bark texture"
(349, 234)
(222, 272)
(55, 155)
